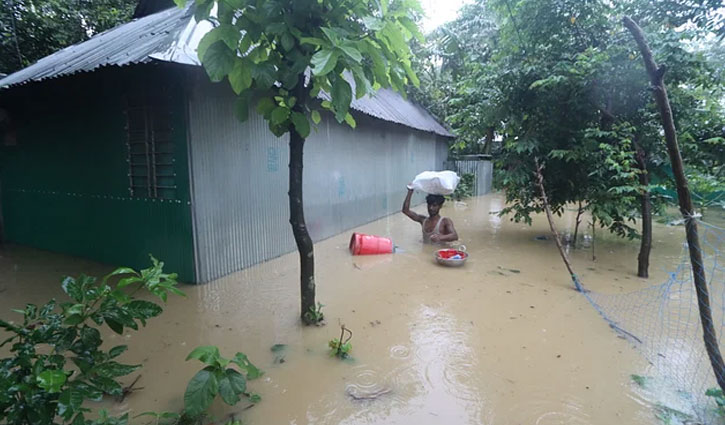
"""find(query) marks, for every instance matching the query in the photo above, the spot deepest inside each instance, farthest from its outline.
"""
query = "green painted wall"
(65, 185)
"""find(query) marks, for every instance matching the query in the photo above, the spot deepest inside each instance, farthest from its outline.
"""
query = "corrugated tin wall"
(482, 169)
(240, 179)
(65, 183)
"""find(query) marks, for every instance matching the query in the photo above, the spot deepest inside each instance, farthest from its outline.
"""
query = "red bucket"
(361, 244)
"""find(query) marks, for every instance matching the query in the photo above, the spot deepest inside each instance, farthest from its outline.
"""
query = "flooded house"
(119, 147)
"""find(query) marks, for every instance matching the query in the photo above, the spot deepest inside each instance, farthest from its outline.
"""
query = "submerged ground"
(503, 340)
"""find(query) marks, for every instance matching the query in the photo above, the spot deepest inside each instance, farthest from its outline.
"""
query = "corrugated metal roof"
(172, 36)
(130, 43)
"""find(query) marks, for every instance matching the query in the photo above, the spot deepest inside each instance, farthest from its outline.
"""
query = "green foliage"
(263, 49)
(315, 315)
(718, 398)
(32, 29)
(218, 379)
(57, 361)
(341, 347)
(562, 81)
(465, 187)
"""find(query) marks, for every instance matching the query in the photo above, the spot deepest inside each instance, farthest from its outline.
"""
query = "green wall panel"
(65, 185)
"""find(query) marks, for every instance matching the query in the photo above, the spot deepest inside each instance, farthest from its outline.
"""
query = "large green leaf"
(208, 354)
(279, 115)
(91, 338)
(229, 34)
(264, 75)
(200, 392)
(69, 402)
(51, 380)
(362, 84)
(288, 42)
(241, 76)
(241, 360)
(114, 369)
(351, 51)
(218, 61)
(227, 390)
(324, 61)
(341, 98)
(117, 351)
(72, 288)
(142, 309)
(237, 380)
(265, 106)
(302, 126)
(315, 115)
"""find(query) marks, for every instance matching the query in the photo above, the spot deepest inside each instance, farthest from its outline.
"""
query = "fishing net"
(663, 321)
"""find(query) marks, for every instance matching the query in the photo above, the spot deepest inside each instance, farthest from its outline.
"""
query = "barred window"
(150, 146)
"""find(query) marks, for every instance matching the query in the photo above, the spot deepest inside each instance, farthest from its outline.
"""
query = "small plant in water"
(315, 316)
(217, 378)
(341, 347)
(719, 398)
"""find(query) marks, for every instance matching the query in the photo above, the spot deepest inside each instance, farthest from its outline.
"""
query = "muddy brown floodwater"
(503, 340)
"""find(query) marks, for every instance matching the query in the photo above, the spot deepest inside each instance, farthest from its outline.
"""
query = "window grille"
(150, 147)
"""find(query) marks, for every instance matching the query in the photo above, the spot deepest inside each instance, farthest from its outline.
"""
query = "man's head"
(435, 202)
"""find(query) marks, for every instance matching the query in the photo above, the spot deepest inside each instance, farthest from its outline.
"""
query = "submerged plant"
(315, 315)
(341, 347)
(56, 360)
(218, 378)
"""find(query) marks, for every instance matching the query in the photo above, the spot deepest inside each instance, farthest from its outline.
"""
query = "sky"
(439, 12)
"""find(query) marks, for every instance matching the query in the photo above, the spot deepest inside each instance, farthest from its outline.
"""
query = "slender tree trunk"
(550, 218)
(489, 141)
(656, 74)
(594, 237)
(305, 247)
(646, 210)
(579, 213)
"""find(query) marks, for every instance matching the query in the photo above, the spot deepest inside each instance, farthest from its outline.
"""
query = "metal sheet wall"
(65, 182)
(239, 179)
(482, 169)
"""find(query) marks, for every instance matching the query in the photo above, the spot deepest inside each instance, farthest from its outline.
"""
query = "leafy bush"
(57, 362)
(218, 379)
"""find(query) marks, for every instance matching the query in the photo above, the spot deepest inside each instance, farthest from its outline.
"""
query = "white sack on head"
(436, 182)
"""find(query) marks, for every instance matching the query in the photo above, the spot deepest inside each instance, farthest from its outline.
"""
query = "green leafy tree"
(561, 82)
(33, 29)
(282, 54)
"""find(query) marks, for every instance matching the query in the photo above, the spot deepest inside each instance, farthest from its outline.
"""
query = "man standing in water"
(436, 229)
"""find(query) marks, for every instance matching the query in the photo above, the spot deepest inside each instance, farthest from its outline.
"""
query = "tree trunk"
(656, 74)
(594, 237)
(489, 141)
(576, 226)
(303, 240)
(299, 227)
(646, 209)
(550, 218)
